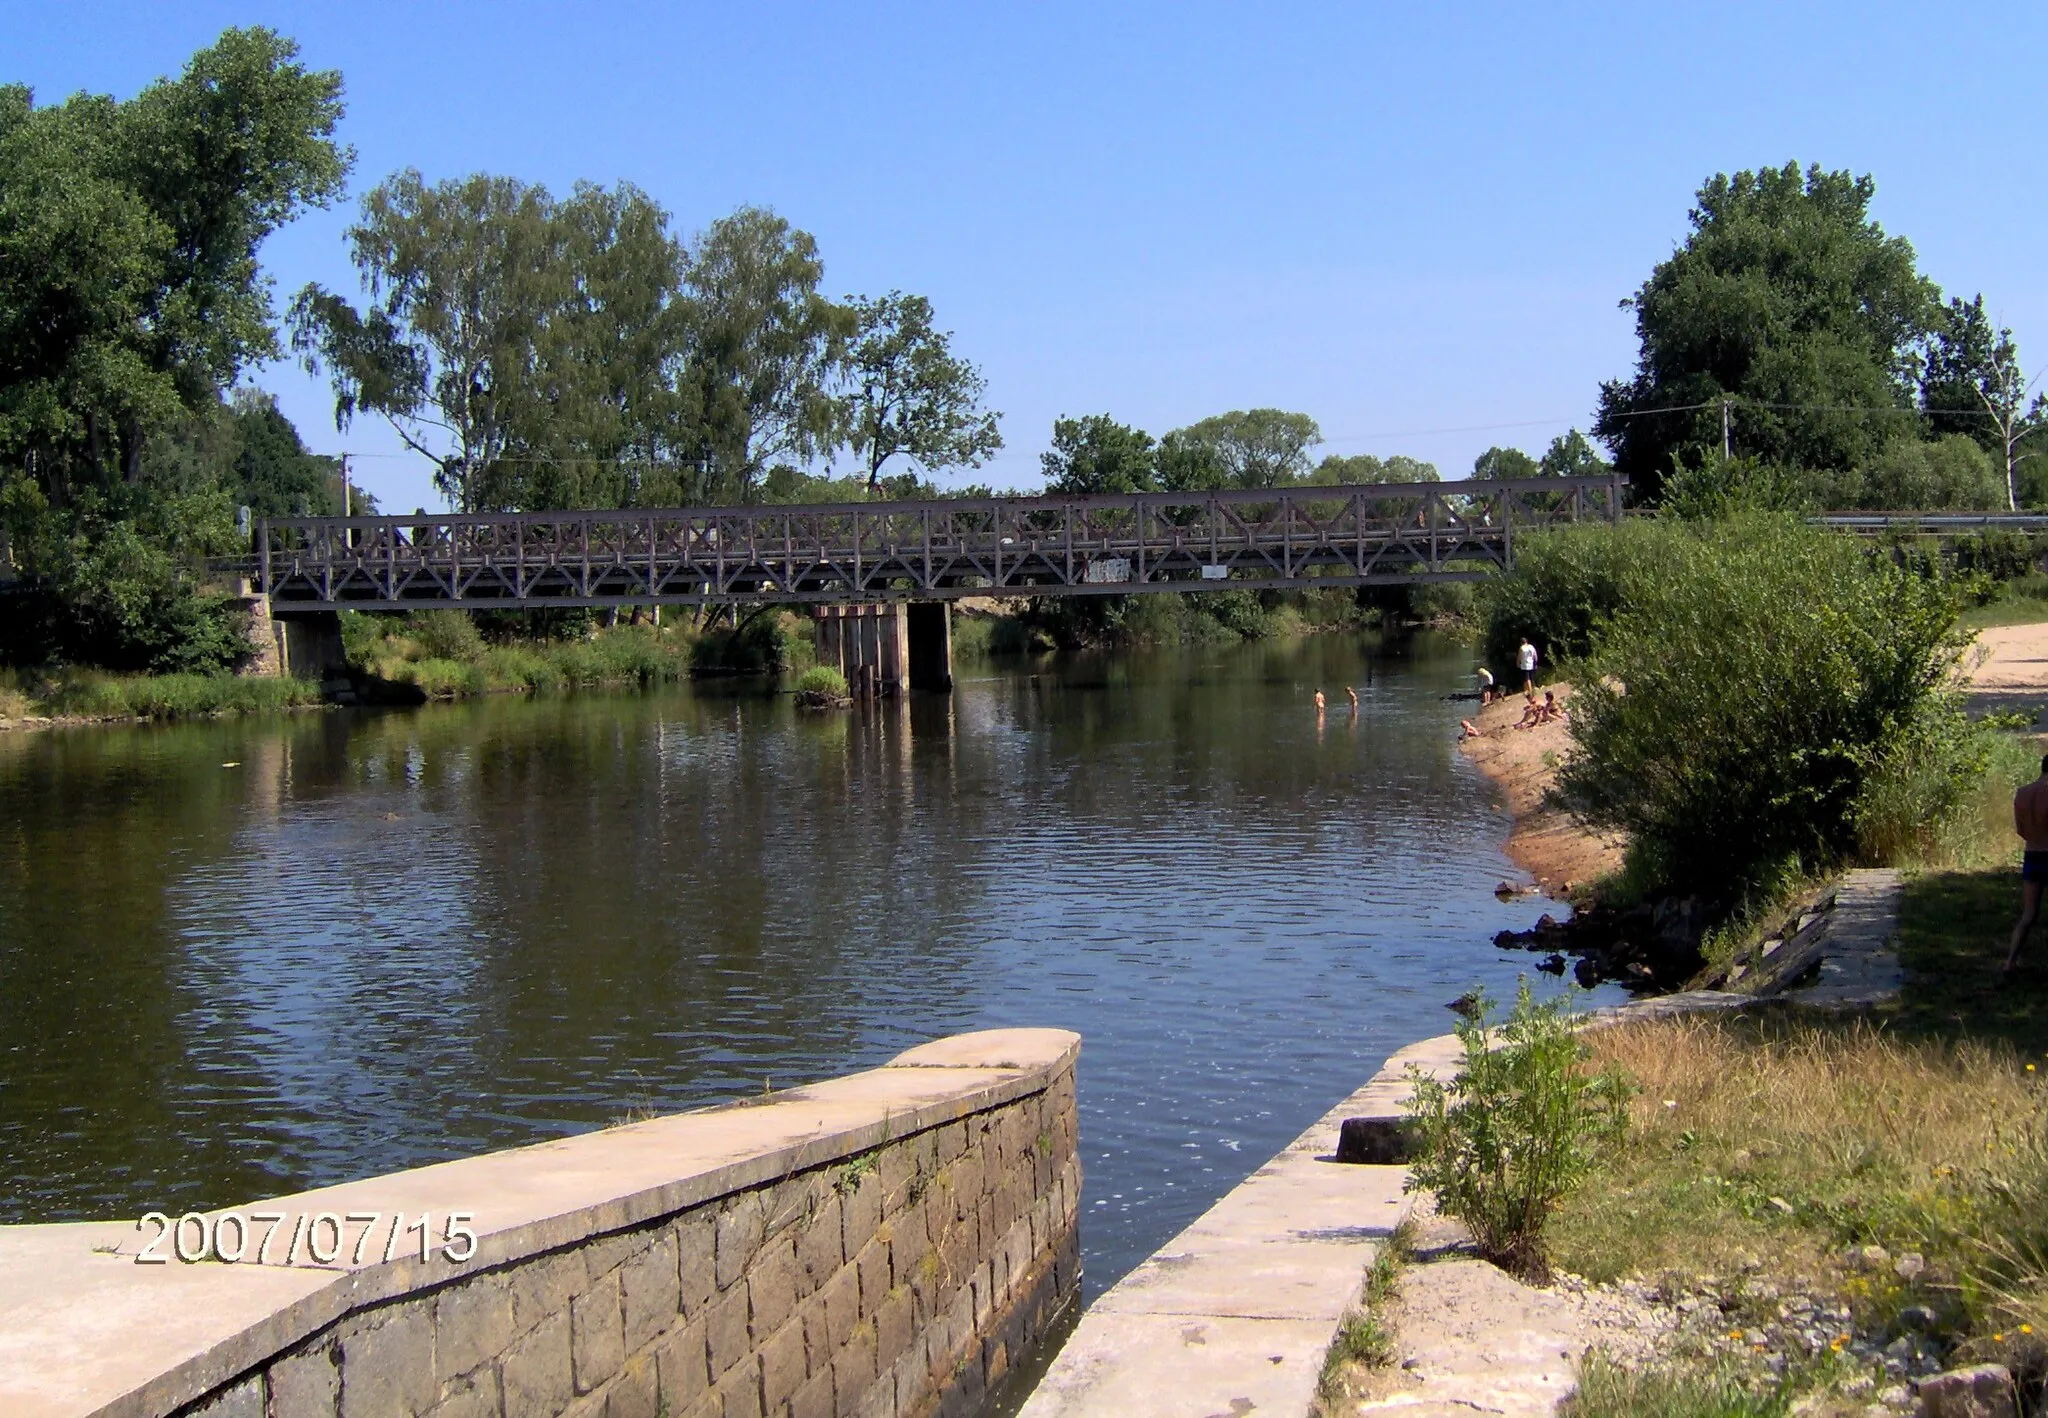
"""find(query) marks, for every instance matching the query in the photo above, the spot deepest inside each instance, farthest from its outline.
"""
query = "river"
(248, 957)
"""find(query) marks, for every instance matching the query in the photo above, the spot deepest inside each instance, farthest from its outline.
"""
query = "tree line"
(550, 351)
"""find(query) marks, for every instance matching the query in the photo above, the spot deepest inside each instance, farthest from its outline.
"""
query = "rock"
(1917, 1317)
(1981, 1391)
(1780, 1205)
(1552, 964)
(1909, 1266)
(1865, 1257)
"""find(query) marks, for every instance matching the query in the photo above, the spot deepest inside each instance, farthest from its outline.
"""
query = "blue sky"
(1412, 222)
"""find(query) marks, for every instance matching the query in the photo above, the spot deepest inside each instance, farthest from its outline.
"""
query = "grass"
(441, 654)
(1953, 930)
(2023, 601)
(1771, 1144)
(1673, 1390)
(1364, 1341)
(95, 694)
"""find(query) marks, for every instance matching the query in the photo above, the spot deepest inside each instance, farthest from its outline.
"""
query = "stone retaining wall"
(893, 1259)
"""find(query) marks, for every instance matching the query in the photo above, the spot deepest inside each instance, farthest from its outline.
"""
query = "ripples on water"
(382, 940)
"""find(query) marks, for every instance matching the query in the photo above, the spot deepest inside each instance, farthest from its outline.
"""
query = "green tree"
(130, 298)
(129, 288)
(1974, 385)
(1250, 448)
(1912, 474)
(1503, 463)
(1572, 455)
(1787, 306)
(909, 395)
(1096, 454)
(764, 349)
(463, 275)
(1365, 469)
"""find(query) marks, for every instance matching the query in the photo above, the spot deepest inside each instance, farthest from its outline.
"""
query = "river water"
(250, 957)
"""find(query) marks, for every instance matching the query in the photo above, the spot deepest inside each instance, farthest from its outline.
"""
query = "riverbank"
(68, 697)
(1544, 841)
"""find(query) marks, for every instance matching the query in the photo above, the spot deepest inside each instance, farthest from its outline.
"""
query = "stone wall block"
(608, 1253)
(306, 1383)
(952, 1140)
(909, 1243)
(924, 1151)
(853, 1370)
(873, 1268)
(652, 1292)
(696, 1249)
(784, 1365)
(841, 1297)
(894, 1169)
(791, 1202)
(597, 1333)
(740, 1224)
(771, 1287)
(968, 1180)
(471, 1396)
(815, 1398)
(894, 1328)
(682, 1370)
(542, 1287)
(820, 1247)
(473, 1325)
(726, 1337)
(536, 1373)
(238, 1400)
(983, 1283)
(387, 1362)
(938, 1206)
(636, 1392)
(860, 1213)
(739, 1392)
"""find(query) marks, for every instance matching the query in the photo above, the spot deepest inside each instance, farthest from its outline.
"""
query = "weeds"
(1704, 1389)
(1516, 1132)
(93, 694)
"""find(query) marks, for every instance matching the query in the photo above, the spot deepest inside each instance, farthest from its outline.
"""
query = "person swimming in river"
(1320, 701)
(1354, 697)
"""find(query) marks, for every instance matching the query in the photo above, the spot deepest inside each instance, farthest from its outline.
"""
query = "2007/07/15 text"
(230, 1236)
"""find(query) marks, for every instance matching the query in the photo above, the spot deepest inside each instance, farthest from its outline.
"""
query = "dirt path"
(2007, 671)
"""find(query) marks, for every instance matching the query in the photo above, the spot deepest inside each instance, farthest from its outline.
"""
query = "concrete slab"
(1234, 1315)
(1859, 965)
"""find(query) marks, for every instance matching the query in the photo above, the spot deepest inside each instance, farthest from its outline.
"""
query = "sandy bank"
(1546, 843)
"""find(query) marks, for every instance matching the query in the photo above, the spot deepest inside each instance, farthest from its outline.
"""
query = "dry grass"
(1776, 1144)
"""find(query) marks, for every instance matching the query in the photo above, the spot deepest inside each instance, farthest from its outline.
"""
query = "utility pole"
(1726, 454)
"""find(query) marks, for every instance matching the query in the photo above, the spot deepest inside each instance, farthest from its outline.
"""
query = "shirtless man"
(2030, 820)
(1354, 697)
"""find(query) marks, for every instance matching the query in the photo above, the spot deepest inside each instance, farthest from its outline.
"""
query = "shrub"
(757, 646)
(821, 684)
(1517, 1130)
(1567, 584)
(445, 635)
(1766, 696)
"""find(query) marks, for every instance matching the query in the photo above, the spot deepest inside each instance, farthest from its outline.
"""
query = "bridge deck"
(1148, 542)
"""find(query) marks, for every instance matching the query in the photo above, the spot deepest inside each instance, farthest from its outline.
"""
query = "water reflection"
(379, 940)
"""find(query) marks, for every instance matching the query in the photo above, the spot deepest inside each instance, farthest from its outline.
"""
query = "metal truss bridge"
(1305, 536)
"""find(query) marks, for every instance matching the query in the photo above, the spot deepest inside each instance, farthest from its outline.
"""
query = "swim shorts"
(2034, 866)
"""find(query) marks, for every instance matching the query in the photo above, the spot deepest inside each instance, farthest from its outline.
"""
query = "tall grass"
(95, 694)
(1779, 1143)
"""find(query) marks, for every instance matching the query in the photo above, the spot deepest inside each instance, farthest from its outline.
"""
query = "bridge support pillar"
(931, 645)
(309, 646)
(870, 645)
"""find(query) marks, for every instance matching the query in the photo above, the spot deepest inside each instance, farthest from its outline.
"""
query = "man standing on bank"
(2030, 820)
(1525, 661)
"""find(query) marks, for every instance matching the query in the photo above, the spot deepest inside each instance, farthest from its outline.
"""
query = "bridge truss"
(1148, 542)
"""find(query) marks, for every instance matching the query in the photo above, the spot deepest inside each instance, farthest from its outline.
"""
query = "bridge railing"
(1053, 545)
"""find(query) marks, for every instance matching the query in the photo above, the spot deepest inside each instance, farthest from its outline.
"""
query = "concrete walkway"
(1233, 1316)
(1859, 955)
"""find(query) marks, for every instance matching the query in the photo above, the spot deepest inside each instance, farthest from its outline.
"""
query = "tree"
(1502, 463)
(1788, 307)
(1252, 448)
(1974, 385)
(763, 350)
(1365, 469)
(1572, 455)
(463, 276)
(909, 394)
(130, 298)
(128, 240)
(1096, 454)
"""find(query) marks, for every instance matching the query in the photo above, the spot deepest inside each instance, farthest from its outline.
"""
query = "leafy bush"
(758, 646)
(1567, 584)
(96, 695)
(1768, 693)
(1517, 1130)
(445, 634)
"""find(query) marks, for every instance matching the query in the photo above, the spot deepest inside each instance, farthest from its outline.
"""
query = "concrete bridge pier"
(304, 645)
(888, 649)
